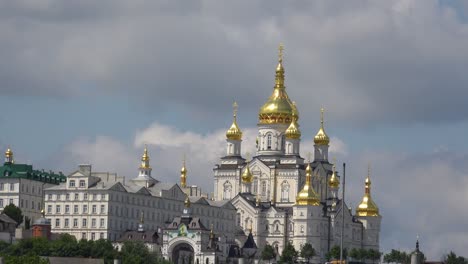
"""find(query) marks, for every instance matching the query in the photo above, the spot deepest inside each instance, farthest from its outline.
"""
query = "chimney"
(85, 169)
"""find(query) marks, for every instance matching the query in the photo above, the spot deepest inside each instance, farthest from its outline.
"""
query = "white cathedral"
(282, 198)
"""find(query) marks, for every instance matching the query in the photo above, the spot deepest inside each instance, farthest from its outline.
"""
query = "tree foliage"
(289, 254)
(397, 256)
(334, 253)
(452, 258)
(14, 213)
(307, 252)
(268, 253)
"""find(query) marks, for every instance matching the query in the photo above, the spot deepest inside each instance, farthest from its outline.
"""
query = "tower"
(321, 141)
(144, 178)
(275, 116)
(234, 136)
(368, 213)
(9, 156)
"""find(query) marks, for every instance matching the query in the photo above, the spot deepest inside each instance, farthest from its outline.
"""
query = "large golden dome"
(279, 108)
(308, 196)
(367, 207)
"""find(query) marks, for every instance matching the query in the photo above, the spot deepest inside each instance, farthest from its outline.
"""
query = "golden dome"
(321, 138)
(187, 202)
(279, 108)
(183, 175)
(293, 131)
(8, 153)
(145, 159)
(367, 207)
(234, 132)
(307, 196)
(333, 182)
(247, 176)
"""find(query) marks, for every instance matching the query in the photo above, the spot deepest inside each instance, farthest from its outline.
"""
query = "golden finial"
(9, 155)
(145, 158)
(321, 116)
(235, 107)
(321, 138)
(183, 174)
(280, 52)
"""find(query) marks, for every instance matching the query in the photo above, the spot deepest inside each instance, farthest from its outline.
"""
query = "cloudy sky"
(93, 81)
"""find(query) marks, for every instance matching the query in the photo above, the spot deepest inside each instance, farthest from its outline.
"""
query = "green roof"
(25, 171)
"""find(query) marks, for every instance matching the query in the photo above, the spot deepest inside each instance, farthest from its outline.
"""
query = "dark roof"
(234, 251)
(250, 242)
(190, 222)
(6, 219)
(149, 236)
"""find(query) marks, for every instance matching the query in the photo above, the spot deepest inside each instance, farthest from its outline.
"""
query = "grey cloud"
(381, 62)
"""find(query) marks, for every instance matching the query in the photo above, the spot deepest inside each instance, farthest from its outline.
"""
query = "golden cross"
(281, 48)
(321, 115)
(368, 169)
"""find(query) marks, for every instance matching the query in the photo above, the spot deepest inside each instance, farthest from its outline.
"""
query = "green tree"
(334, 253)
(268, 253)
(65, 246)
(27, 259)
(373, 255)
(289, 254)
(307, 252)
(452, 258)
(137, 253)
(14, 213)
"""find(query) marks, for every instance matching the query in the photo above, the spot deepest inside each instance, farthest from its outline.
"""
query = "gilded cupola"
(247, 176)
(321, 138)
(145, 159)
(9, 156)
(293, 131)
(307, 196)
(234, 132)
(279, 108)
(333, 181)
(183, 175)
(367, 207)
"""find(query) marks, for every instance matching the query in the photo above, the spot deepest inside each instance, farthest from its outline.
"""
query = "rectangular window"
(57, 209)
(67, 209)
(93, 236)
(101, 236)
(57, 222)
(103, 197)
(67, 222)
(49, 209)
(49, 197)
(1, 186)
(75, 209)
(93, 222)
(83, 235)
(85, 196)
(85, 209)
(85, 222)
(103, 209)
(94, 209)
(76, 196)
(72, 183)
(32, 204)
(82, 183)
(12, 186)
(67, 197)
(75, 222)
(102, 222)
(11, 201)
(1, 202)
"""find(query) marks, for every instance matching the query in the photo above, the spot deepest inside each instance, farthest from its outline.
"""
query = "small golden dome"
(247, 176)
(145, 159)
(308, 196)
(367, 207)
(8, 153)
(187, 202)
(293, 131)
(333, 182)
(234, 132)
(278, 109)
(321, 138)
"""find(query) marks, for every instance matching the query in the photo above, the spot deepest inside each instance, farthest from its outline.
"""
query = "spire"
(234, 132)
(183, 174)
(9, 156)
(307, 196)
(321, 138)
(278, 109)
(145, 159)
(367, 207)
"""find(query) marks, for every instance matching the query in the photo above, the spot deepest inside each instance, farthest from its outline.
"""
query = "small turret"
(321, 141)
(307, 196)
(367, 207)
(234, 135)
(9, 156)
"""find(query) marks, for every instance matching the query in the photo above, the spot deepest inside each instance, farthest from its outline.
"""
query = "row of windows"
(4, 186)
(84, 223)
(9, 200)
(84, 209)
(76, 197)
(81, 183)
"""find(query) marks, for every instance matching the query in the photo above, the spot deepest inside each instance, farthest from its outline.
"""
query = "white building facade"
(281, 197)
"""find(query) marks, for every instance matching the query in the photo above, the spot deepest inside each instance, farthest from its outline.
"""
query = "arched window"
(227, 191)
(285, 192)
(269, 141)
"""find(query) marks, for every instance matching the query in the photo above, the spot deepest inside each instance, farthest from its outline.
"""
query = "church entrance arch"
(183, 253)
